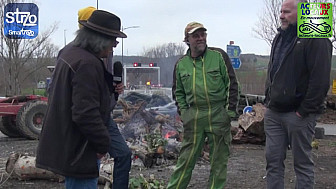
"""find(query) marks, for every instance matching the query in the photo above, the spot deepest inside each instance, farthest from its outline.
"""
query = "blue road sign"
(235, 63)
(247, 109)
(233, 51)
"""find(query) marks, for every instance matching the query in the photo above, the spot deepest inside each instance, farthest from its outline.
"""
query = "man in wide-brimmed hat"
(75, 132)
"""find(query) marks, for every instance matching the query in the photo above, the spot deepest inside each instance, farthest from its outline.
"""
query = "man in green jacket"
(206, 91)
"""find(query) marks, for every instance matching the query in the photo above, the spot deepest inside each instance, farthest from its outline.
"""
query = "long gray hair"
(92, 41)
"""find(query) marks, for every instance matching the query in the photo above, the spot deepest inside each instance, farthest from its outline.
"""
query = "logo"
(21, 21)
(314, 20)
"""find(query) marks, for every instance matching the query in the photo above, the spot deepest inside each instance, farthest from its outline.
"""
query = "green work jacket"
(206, 81)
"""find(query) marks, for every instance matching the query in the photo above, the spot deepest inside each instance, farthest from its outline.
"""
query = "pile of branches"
(149, 134)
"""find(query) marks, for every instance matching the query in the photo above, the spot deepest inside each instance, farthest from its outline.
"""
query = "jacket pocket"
(214, 81)
(283, 97)
(220, 116)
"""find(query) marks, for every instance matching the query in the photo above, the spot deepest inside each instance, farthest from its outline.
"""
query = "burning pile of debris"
(153, 132)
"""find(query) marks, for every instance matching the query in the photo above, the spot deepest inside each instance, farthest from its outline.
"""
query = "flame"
(170, 134)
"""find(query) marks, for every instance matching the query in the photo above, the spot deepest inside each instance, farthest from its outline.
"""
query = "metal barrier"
(150, 91)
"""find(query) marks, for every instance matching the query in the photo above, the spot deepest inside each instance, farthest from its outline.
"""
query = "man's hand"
(232, 114)
(99, 156)
(119, 88)
(298, 114)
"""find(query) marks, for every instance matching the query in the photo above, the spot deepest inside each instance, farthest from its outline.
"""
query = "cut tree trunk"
(23, 167)
(251, 126)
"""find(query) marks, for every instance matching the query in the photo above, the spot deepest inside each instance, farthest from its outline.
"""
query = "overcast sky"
(163, 21)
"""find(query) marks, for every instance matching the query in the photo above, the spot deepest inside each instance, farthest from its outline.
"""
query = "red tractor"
(22, 116)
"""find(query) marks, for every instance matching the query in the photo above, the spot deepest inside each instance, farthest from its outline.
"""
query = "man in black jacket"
(296, 86)
(75, 133)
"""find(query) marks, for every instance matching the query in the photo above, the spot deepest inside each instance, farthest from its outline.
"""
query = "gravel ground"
(246, 167)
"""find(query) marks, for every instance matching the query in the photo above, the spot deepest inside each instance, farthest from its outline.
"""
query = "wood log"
(106, 171)
(253, 122)
(129, 110)
(23, 167)
(251, 126)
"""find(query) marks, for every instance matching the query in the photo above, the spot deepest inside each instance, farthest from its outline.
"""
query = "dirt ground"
(246, 167)
(329, 117)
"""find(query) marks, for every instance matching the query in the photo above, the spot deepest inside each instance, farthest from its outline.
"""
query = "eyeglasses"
(198, 35)
(115, 42)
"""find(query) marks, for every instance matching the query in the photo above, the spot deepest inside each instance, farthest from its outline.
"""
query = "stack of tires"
(28, 121)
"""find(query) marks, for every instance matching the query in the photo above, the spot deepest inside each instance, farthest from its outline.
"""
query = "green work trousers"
(198, 124)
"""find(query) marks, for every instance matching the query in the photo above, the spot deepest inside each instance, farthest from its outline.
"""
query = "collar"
(290, 31)
(200, 56)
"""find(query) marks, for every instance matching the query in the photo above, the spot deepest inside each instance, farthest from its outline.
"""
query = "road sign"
(234, 52)
(235, 63)
(247, 109)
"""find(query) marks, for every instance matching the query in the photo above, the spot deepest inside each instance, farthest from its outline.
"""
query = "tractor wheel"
(29, 119)
(8, 127)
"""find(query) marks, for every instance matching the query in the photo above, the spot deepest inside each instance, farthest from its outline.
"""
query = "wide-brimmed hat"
(105, 23)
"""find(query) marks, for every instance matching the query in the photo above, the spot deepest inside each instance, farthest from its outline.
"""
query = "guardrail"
(164, 90)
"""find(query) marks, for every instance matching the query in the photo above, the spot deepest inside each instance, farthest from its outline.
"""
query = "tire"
(8, 127)
(29, 119)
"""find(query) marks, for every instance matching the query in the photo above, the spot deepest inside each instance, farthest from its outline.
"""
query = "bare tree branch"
(165, 51)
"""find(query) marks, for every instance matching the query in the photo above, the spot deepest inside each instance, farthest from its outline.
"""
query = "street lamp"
(122, 41)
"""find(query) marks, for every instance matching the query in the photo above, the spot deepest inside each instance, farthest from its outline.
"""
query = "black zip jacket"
(302, 80)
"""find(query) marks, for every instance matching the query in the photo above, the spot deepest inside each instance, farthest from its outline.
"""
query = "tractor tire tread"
(23, 118)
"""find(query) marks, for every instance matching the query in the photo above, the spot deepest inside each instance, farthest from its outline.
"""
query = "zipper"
(290, 49)
(209, 112)
(206, 93)
(195, 124)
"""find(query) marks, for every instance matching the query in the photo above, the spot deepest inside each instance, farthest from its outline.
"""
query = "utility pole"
(122, 41)
(64, 37)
